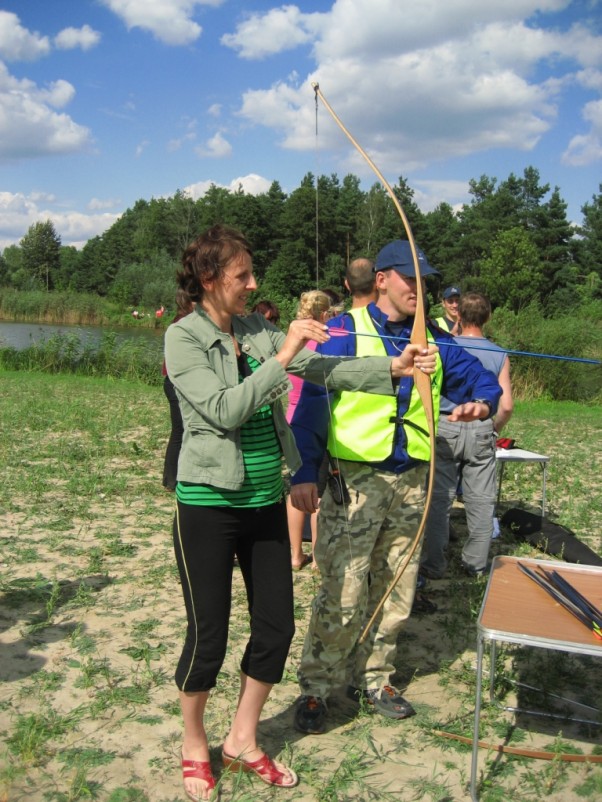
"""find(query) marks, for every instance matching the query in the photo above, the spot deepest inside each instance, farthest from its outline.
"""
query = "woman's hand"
(414, 356)
(298, 335)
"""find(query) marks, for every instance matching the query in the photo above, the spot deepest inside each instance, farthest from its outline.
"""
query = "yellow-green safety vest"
(363, 425)
(442, 323)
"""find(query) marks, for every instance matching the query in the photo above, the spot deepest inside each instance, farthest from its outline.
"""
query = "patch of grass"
(93, 622)
(35, 734)
(85, 756)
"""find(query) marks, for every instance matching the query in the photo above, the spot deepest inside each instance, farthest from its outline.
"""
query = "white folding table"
(504, 455)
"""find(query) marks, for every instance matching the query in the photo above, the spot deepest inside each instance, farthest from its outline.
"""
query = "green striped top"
(262, 459)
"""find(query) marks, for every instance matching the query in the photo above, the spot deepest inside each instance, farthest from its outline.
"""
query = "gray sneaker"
(387, 701)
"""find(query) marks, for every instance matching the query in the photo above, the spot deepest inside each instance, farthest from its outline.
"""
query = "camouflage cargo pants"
(369, 537)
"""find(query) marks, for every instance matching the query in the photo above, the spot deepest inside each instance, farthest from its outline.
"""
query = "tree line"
(512, 241)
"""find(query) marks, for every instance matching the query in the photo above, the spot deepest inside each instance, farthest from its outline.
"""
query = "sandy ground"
(95, 675)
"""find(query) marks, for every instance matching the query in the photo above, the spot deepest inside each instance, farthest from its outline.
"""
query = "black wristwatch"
(483, 401)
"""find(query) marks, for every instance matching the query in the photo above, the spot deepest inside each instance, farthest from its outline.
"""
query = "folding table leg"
(492, 658)
(477, 717)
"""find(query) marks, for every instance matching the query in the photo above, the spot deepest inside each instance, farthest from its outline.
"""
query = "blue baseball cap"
(449, 291)
(397, 255)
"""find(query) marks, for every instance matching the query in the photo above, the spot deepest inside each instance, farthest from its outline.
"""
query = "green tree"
(511, 275)
(289, 274)
(272, 206)
(13, 266)
(441, 243)
(68, 266)
(379, 222)
(215, 206)
(333, 274)
(553, 238)
(349, 207)
(589, 254)
(40, 253)
(298, 229)
(331, 241)
(416, 219)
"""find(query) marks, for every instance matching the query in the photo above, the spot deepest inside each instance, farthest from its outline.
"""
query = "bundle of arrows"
(568, 596)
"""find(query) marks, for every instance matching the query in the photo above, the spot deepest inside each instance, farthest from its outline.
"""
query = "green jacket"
(201, 363)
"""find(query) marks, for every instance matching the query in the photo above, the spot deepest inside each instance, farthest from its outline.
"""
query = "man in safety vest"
(379, 449)
(360, 282)
(449, 302)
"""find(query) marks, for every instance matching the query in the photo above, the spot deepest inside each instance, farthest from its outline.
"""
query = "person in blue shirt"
(380, 447)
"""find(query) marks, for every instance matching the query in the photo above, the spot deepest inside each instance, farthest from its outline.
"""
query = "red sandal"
(198, 770)
(264, 768)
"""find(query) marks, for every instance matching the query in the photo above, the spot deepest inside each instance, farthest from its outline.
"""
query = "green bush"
(65, 307)
(65, 353)
(578, 334)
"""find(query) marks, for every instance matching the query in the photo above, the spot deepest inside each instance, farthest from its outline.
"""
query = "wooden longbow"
(418, 336)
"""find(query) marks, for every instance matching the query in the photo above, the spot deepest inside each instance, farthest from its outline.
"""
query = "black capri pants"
(206, 539)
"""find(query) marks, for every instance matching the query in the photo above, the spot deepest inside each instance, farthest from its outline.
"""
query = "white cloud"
(95, 204)
(215, 110)
(18, 212)
(141, 147)
(417, 83)
(428, 193)
(17, 43)
(70, 38)
(590, 79)
(46, 197)
(76, 228)
(176, 144)
(215, 148)
(586, 149)
(280, 29)
(190, 125)
(169, 21)
(251, 184)
(28, 125)
(58, 94)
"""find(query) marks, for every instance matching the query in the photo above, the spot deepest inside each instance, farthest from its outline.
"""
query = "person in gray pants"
(468, 449)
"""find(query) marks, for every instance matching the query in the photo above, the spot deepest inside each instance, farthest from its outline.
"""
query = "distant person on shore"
(170, 464)
(230, 374)
(360, 281)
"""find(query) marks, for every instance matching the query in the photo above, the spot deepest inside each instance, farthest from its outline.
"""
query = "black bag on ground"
(551, 538)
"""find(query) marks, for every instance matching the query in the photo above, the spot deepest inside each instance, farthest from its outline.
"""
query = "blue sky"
(103, 102)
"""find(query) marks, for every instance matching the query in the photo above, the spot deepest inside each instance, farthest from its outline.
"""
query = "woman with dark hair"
(269, 310)
(230, 374)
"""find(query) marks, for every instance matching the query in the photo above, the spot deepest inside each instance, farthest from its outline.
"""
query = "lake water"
(23, 335)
